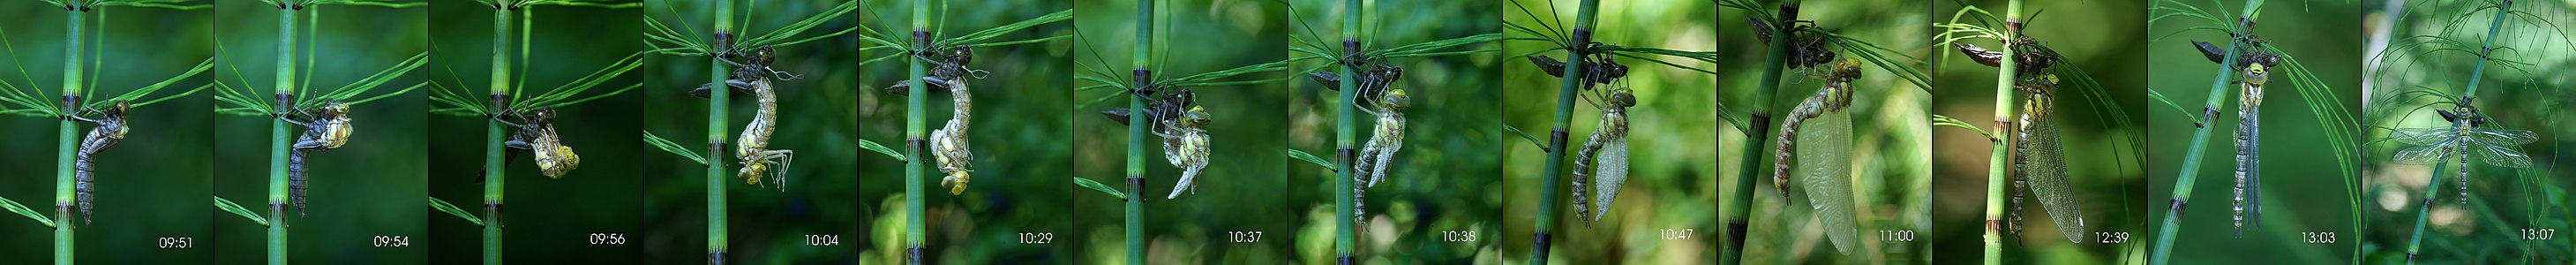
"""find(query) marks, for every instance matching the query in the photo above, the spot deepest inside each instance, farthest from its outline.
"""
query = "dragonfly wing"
(2047, 171)
(1824, 160)
(2501, 147)
(2425, 154)
(2423, 136)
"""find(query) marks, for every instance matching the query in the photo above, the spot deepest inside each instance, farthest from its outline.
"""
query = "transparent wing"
(2423, 136)
(2047, 171)
(1824, 163)
(2426, 154)
(2501, 147)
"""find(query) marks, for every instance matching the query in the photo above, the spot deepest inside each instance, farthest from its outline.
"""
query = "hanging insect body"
(111, 128)
(2041, 158)
(753, 149)
(535, 132)
(1602, 161)
(949, 142)
(1181, 124)
(2246, 207)
(2470, 138)
(1382, 100)
(1821, 153)
(324, 129)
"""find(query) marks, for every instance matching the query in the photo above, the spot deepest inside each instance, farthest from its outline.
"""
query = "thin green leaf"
(1310, 158)
(1095, 185)
(22, 209)
(236, 209)
(451, 209)
(881, 149)
(1542, 145)
(674, 148)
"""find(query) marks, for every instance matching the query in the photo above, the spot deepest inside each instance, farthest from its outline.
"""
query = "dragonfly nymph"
(324, 129)
(111, 128)
(2469, 137)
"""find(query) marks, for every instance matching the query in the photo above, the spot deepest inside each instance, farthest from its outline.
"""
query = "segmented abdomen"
(1613, 128)
(87, 182)
(296, 180)
(2246, 169)
(755, 135)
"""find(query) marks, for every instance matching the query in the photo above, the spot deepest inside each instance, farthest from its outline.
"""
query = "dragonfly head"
(1397, 100)
(764, 55)
(542, 115)
(1623, 98)
(2255, 74)
(117, 109)
(1846, 70)
(960, 55)
(1197, 117)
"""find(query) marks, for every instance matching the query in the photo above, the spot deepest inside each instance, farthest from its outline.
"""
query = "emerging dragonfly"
(1823, 161)
(753, 149)
(948, 64)
(2042, 163)
(324, 129)
(2247, 206)
(1185, 144)
(111, 128)
(1380, 99)
(2468, 138)
(1603, 159)
(536, 133)
(949, 142)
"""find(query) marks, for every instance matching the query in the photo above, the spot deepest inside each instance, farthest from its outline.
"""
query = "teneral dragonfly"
(752, 148)
(949, 142)
(2249, 170)
(1822, 155)
(536, 133)
(2468, 138)
(1185, 145)
(2042, 163)
(111, 128)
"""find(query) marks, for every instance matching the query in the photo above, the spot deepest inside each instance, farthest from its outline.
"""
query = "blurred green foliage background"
(1889, 126)
(1441, 186)
(1673, 136)
(767, 223)
(2302, 189)
(2101, 39)
(154, 183)
(544, 219)
(1244, 188)
(1018, 131)
(374, 186)
(2525, 87)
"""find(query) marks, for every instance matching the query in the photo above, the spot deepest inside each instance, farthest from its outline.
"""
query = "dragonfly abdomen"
(295, 178)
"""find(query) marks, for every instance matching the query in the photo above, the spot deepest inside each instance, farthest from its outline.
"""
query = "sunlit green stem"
(1999, 160)
(1573, 74)
(1740, 206)
(1343, 133)
(2199, 145)
(1136, 125)
(914, 116)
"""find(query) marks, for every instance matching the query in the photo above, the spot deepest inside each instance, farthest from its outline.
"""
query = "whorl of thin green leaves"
(347, 2)
(1940, 120)
(1564, 39)
(687, 41)
(239, 98)
(461, 100)
(36, 104)
(1099, 73)
(2417, 49)
(983, 38)
(236, 209)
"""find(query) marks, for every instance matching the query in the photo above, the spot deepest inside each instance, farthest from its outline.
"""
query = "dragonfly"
(2041, 166)
(1824, 158)
(1603, 159)
(1378, 97)
(949, 142)
(754, 64)
(324, 129)
(2247, 205)
(2469, 137)
(1807, 48)
(536, 133)
(111, 128)
(753, 149)
(1185, 145)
